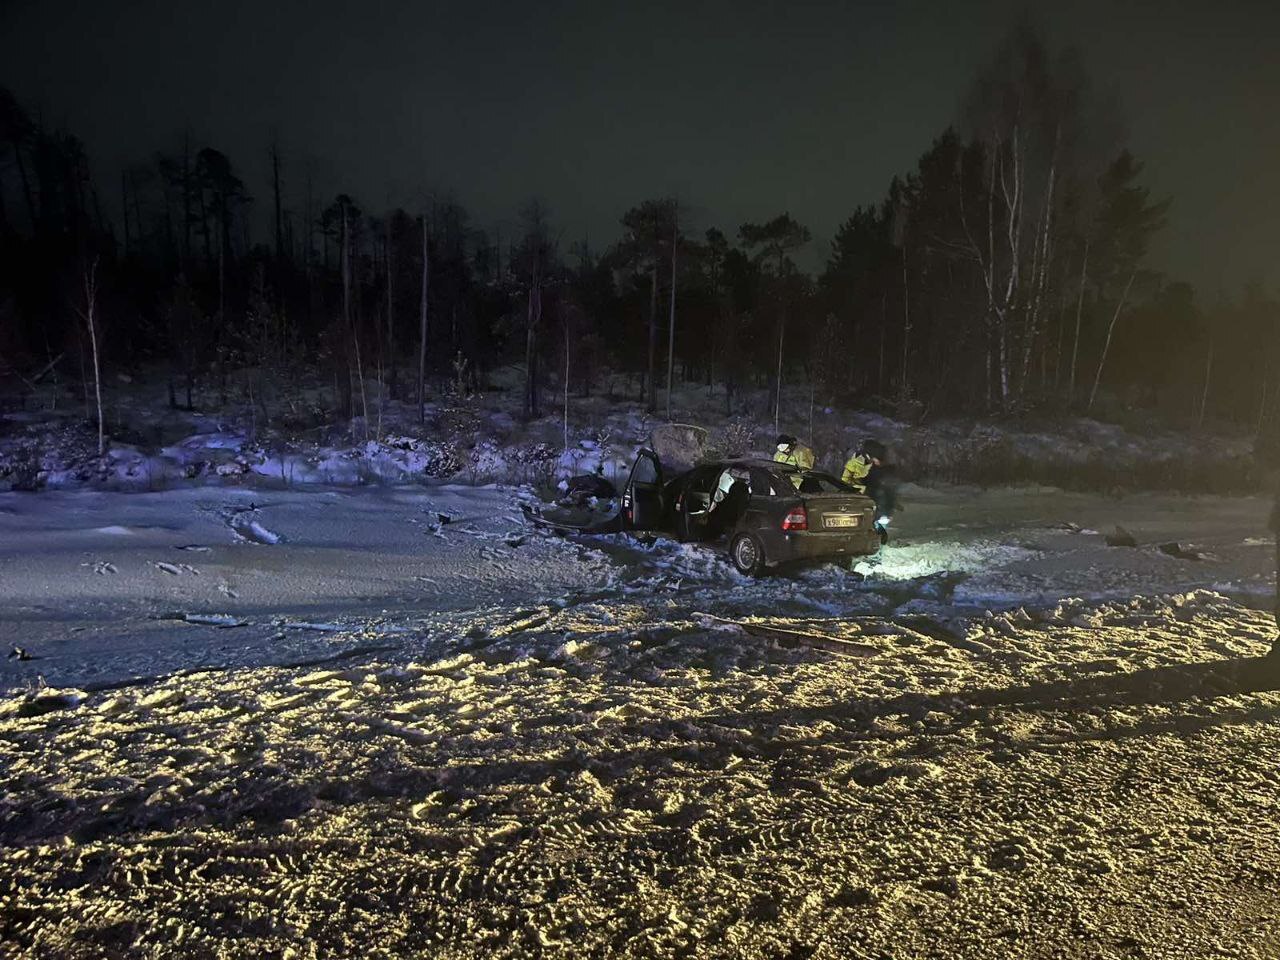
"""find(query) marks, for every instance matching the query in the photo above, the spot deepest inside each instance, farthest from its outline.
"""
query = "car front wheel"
(747, 554)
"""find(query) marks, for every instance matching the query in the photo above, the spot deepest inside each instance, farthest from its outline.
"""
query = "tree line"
(1006, 272)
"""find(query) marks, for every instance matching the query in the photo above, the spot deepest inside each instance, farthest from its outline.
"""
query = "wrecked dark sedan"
(766, 514)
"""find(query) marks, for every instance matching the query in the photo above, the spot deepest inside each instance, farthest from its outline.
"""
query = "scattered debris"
(788, 638)
(41, 702)
(1175, 549)
(223, 620)
(253, 530)
(175, 569)
(1121, 538)
(244, 525)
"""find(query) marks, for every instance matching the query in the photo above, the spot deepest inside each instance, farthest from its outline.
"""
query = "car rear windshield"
(822, 483)
(769, 483)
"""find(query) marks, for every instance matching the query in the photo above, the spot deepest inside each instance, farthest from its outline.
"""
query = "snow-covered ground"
(330, 723)
(105, 587)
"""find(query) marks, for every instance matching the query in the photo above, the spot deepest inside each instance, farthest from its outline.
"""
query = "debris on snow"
(223, 620)
(1175, 549)
(254, 531)
(1121, 538)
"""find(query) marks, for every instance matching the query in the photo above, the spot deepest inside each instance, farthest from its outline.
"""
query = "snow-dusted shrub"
(734, 438)
(487, 461)
(461, 387)
(533, 454)
(20, 467)
(440, 459)
(299, 414)
(535, 464)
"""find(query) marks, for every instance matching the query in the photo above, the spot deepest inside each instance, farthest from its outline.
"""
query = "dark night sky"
(740, 109)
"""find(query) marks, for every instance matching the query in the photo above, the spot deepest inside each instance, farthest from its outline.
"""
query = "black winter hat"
(785, 439)
(873, 448)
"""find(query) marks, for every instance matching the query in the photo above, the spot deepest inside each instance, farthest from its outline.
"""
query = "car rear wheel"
(747, 554)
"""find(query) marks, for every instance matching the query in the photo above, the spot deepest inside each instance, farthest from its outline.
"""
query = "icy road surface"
(97, 585)
(333, 725)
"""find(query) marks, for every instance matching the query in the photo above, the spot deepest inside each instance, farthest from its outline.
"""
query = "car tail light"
(796, 519)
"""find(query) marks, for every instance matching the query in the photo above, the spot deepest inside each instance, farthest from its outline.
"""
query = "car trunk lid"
(838, 512)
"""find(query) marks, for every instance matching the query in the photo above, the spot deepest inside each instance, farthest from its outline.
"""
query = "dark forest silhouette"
(1006, 273)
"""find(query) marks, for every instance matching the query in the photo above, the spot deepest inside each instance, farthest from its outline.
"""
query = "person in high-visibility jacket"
(792, 452)
(867, 472)
(870, 453)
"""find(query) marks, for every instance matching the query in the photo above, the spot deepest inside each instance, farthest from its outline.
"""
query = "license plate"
(841, 520)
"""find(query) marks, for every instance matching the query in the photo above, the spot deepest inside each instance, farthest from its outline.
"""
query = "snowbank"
(480, 440)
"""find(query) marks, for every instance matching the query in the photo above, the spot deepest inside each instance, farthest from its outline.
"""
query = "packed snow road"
(104, 587)
(467, 739)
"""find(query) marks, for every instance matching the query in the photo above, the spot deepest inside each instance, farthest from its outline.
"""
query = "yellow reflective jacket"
(855, 472)
(800, 456)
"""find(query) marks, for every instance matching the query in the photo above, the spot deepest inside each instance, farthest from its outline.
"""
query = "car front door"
(642, 506)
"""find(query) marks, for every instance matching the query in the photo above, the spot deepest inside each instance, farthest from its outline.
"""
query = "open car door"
(642, 506)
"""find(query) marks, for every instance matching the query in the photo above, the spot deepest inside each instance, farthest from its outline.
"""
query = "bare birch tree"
(391, 313)
(533, 320)
(1030, 112)
(1106, 346)
(566, 377)
(650, 392)
(1208, 378)
(352, 327)
(1075, 346)
(89, 315)
(774, 241)
(671, 327)
(647, 229)
(422, 324)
